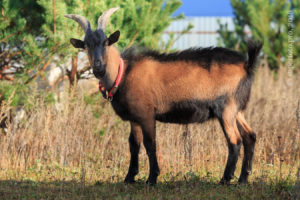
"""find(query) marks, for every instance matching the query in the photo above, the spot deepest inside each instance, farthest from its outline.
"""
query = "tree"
(267, 21)
(20, 21)
(141, 22)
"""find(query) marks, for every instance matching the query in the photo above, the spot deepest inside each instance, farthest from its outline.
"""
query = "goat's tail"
(254, 48)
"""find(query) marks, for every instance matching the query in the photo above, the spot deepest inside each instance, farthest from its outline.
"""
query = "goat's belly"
(187, 112)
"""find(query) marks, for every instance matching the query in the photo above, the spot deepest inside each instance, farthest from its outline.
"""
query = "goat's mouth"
(99, 73)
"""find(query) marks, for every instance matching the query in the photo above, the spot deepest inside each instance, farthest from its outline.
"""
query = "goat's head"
(95, 42)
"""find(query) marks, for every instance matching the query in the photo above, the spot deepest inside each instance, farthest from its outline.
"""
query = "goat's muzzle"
(97, 64)
(99, 71)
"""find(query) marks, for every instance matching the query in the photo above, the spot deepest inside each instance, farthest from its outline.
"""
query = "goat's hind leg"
(228, 123)
(249, 138)
(135, 140)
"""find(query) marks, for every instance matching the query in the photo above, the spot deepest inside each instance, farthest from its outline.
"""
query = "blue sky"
(206, 8)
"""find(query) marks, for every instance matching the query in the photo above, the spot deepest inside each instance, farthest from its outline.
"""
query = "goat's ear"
(113, 38)
(77, 43)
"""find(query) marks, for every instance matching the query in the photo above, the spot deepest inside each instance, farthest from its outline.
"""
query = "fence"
(203, 34)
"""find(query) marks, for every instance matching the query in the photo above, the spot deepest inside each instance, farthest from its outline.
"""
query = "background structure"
(204, 16)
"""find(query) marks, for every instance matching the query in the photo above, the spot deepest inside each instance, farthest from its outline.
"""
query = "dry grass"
(86, 143)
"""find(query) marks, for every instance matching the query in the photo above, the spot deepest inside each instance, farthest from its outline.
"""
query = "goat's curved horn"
(82, 21)
(103, 19)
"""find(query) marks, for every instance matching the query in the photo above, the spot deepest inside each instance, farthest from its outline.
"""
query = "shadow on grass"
(196, 189)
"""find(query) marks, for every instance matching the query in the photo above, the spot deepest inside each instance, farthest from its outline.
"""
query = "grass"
(82, 152)
(65, 183)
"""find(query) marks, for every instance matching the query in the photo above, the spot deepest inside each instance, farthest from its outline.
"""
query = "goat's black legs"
(249, 139)
(135, 139)
(228, 123)
(150, 145)
(234, 150)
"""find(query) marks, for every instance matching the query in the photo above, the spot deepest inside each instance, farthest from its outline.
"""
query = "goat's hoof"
(243, 181)
(129, 181)
(151, 182)
(224, 182)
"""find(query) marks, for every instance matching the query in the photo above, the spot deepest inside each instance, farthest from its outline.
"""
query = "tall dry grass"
(93, 138)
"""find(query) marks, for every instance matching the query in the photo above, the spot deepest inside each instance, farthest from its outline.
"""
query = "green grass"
(65, 183)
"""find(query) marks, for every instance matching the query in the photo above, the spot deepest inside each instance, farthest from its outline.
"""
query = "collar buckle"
(110, 98)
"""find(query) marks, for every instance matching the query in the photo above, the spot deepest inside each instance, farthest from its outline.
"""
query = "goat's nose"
(97, 63)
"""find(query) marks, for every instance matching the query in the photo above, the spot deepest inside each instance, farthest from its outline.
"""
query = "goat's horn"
(82, 21)
(102, 20)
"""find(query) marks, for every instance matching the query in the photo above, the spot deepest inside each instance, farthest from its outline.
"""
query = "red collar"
(110, 94)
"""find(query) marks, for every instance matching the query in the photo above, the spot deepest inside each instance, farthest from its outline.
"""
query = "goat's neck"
(112, 67)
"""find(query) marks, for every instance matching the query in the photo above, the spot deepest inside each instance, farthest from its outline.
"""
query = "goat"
(190, 86)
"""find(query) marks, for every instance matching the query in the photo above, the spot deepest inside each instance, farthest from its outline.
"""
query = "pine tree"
(20, 20)
(295, 30)
(266, 21)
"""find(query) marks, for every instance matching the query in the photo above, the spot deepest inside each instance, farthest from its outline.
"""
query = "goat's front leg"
(135, 140)
(149, 135)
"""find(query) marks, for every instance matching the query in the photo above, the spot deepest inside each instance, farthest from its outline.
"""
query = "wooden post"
(73, 72)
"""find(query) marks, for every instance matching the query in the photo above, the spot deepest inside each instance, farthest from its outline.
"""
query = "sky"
(192, 8)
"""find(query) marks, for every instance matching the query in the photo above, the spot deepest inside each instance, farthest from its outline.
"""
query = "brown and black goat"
(190, 86)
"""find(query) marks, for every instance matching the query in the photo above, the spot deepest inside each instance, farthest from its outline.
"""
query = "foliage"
(33, 31)
(296, 27)
(16, 92)
(19, 25)
(267, 21)
(21, 95)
